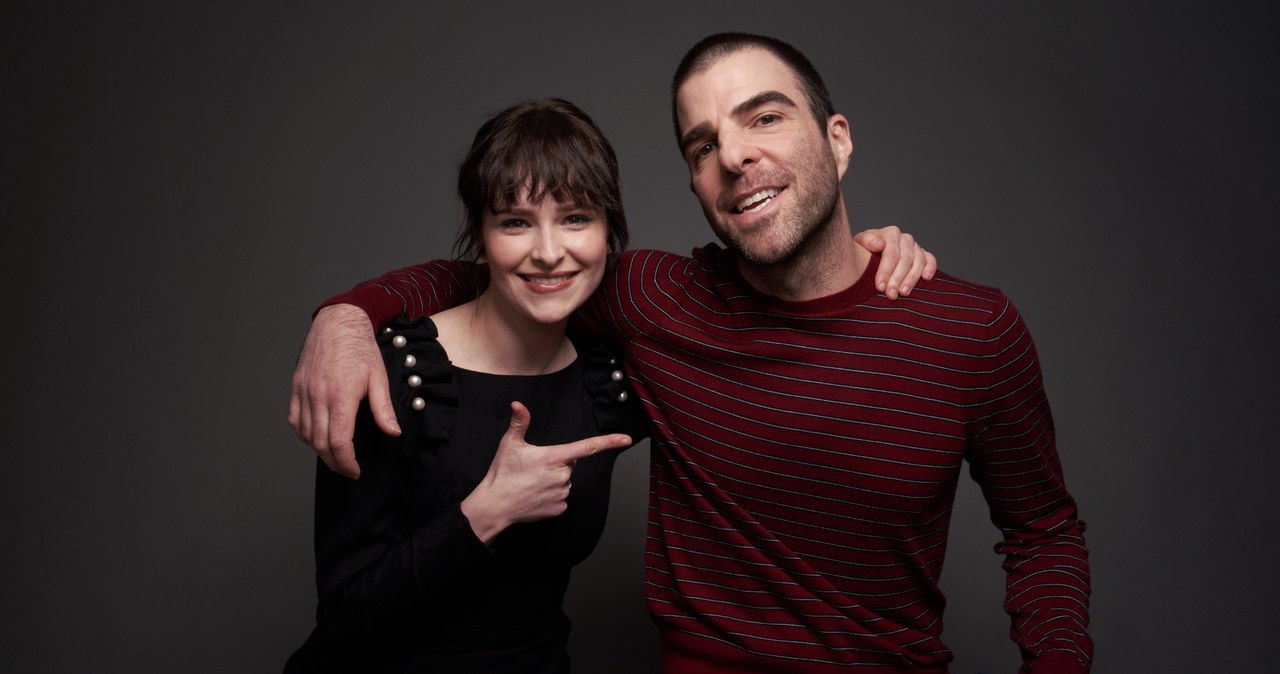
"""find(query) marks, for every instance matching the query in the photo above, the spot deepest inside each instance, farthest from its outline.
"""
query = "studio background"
(184, 182)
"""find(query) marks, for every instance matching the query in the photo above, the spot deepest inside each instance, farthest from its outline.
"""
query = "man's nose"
(737, 151)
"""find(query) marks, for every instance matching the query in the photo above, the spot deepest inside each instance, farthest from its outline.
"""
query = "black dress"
(404, 584)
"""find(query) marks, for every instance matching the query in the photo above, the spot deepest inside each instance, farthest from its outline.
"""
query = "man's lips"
(756, 200)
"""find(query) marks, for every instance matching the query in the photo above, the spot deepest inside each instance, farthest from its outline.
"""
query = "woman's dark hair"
(550, 147)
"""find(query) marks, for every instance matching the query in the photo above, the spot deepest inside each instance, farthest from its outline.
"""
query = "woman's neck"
(479, 336)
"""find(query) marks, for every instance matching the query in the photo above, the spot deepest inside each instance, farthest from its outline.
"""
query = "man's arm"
(1015, 461)
(339, 363)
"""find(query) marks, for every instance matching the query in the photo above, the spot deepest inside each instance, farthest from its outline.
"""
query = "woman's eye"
(512, 224)
(579, 219)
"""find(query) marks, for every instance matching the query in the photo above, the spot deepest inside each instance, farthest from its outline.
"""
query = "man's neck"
(828, 262)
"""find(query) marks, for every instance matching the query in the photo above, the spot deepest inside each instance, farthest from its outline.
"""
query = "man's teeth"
(756, 201)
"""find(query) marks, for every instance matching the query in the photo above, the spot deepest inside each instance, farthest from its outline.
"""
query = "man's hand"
(339, 365)
(526, 482)
(902, 261)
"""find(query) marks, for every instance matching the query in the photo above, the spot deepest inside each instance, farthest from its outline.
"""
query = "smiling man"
(808, 430)
(767, 176)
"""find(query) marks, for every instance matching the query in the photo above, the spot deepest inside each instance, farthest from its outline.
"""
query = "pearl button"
(386, 330)
(410, 361)
(616, 376)
(415, 381)
(622, 397)
(419, 404)
(399, 341)
(613, 361)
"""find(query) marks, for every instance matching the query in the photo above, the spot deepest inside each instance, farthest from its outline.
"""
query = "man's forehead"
(738, 75)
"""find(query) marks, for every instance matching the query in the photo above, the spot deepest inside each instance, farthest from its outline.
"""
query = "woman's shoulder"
(614, 403)
(419, 376)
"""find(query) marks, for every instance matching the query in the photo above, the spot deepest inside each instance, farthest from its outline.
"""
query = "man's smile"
(756, 200)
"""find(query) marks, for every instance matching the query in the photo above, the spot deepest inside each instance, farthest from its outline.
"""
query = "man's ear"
(840, 141)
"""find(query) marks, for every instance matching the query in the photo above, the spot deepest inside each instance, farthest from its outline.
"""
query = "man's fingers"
(341, 428)
(384, 413)
(342, 459)
(300, 418)
(318, 432)
(295, 417)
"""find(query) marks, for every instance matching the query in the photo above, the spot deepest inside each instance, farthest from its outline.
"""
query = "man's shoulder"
(708, 259)
(708, 251)
(947, 287)
(950, 297)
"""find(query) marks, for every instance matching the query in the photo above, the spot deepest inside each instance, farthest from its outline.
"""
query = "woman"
(448, 555)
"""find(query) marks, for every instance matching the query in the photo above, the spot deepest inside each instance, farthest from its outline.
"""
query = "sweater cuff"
(381, 306)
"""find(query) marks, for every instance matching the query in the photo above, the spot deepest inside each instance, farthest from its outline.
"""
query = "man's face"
(766, 175)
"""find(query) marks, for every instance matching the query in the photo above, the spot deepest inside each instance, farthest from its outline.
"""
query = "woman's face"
(545, 259)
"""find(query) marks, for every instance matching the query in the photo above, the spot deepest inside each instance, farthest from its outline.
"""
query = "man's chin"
(757, 253)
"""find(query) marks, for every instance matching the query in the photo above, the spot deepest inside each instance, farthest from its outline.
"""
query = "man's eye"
(704, 150)
(766, 120)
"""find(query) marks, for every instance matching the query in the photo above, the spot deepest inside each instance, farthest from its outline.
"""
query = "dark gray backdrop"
(184, 183)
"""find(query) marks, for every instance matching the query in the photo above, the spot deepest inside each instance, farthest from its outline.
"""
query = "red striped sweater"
(805, 457)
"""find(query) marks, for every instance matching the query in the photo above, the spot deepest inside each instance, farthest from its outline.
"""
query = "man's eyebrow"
(694, 135)
(761, 99)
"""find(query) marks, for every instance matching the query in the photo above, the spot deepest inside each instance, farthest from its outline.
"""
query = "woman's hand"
(902, 261)
(527, 482)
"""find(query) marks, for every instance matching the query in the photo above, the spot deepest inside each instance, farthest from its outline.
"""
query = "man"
(808, 432)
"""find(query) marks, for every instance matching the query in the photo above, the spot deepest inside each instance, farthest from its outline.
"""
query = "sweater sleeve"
(413, 292)
(1014, 459)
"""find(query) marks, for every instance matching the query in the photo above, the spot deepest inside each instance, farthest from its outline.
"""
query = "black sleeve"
(375, 567)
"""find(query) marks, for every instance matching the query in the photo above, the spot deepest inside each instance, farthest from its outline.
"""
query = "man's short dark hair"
(712, 48)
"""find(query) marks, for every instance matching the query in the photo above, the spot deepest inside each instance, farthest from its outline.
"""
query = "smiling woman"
(448, 555)
(545, 259)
